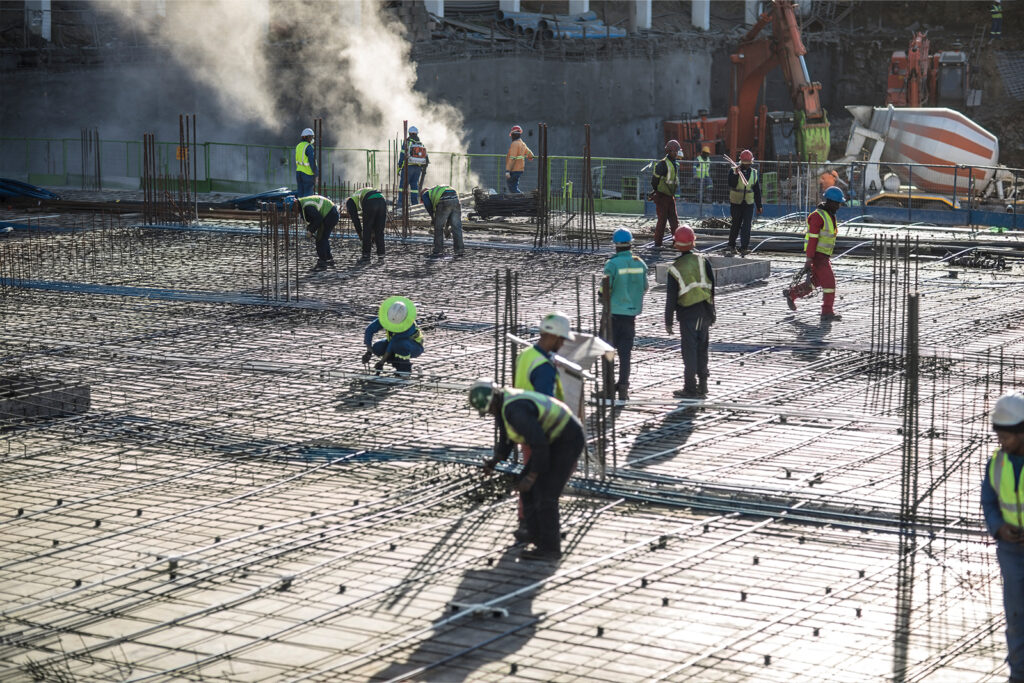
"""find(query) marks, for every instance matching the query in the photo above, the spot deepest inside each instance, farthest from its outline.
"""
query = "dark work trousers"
(1011, 565)
(693, 331)
(623, 335)
(540, 503)
(742, 216)
(305, 184)
(375, 213)
(323, 236)
(666, 209)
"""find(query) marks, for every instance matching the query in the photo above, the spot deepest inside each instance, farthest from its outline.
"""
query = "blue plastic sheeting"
(252, 202)
(16, 188)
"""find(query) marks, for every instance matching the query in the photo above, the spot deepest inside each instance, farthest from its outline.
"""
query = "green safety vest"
(668, 183)
(359, 196)
(996, 10)
(435, 193)
(702, 167)
(827, 236)
(552, 413)
(301, 161)
(1000, 476)
(528, 361)
(692, 276)
(744, 195)
(322, 204)
(418, 338)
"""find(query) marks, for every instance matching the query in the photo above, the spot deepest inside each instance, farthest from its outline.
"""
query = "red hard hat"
(672, 146)
(515, 129)
(746, 155)
(684, 238)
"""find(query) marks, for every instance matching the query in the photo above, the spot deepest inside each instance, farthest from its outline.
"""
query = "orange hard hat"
(746, 155)
(515, 129)
(684, 238)
(672, 146)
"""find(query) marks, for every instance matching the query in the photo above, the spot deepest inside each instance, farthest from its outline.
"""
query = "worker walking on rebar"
(555, 438)
(665, 181)
(375, 212)
(702, 174)
(305, 165)
(403, 342)
(321, 216)
(515, 159)
(442, 204)
(744, 195)
(819, 242)
(627, 282)
(414, 155)
(690, 300)
(1002, 500)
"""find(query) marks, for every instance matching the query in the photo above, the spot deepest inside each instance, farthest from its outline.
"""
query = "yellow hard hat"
(705, 148)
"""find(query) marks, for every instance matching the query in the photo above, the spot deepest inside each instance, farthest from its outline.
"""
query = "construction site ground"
(244, 500)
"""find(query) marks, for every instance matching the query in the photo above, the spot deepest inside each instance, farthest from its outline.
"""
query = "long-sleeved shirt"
(525, 419)
(375, 327)
(518, 153)
(814, 226)
(661, 171)
(990, 499)
(734, 183)
(429, 205)
(673, 310)
(314, 219)
(627, 276)
(543, 376)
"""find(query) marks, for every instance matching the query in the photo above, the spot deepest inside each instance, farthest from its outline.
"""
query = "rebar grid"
(243, 501)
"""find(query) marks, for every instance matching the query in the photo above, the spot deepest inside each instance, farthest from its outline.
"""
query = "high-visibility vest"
(1000, 476)
(528, 361)
(827, 236)
(301, 160)
(552, 413)
(694, 285)
(702, 167)
(744, 195)
(359, 196)
(416, 337)
(668, 183)
(435, 193)
(322, 204)
(415, 152)
(996, 10)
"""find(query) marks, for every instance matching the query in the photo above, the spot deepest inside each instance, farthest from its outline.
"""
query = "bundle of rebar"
(279, 266)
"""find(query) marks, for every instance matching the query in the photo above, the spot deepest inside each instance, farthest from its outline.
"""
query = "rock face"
(27, 397)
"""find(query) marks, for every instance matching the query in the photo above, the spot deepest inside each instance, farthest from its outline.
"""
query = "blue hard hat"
(834, 194)
(622, 236)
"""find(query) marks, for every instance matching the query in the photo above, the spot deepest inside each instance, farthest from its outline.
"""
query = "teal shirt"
(628, 277)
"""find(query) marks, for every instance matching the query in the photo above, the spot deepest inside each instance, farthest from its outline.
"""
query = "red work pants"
(666, 207)
(821, 276)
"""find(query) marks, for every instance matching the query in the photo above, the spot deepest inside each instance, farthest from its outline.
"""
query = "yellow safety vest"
(322, 204)
(744, 195)
(1000, 476)
(552, 413)
(668, 183)
(301, 161)
(359, 196)
(702, 167)
(528, 361)
(827, 236)
(694, 285)
(996, 10)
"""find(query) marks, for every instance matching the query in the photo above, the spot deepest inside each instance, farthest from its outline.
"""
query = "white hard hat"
(306, 132)
(413, 130)
(397, 312)
(558, 324)
(1009, 411)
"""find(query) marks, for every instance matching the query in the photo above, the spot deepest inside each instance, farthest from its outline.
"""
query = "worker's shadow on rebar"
(489, 617)
(662, 443)
(808, 339)
(368, 392)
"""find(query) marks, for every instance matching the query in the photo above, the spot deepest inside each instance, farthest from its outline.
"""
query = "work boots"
(622, 390)
(702, 387)
(830, 317)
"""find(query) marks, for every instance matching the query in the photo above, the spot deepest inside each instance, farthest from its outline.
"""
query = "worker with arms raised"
(744, 195)
(690, 300)
(1002, 500)
(665, 181)
(555, 438)
(403, 342)
(627, 280)
(305, 165)
(515, 159)
(375, 212)
(819, 242)
(321, 216)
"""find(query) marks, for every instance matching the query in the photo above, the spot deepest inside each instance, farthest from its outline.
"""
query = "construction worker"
(555, 438)
(535, 367)
(404, 341)
(744, 194)
(690, 299)
(830, 178)
(305, 164)
(665, 181)
(996, 11)
(1001, 501)
(515, 159)
(702, 174)
(375, 213)
(414, 155)
(819, 242)
(442, 203)
(627, 280)
(321, 216)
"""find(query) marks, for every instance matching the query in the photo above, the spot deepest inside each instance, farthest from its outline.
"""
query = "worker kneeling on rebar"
(555, 438)
(397, 317)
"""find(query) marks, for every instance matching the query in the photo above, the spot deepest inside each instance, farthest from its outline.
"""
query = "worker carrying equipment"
(403, 342)
(412, 166)
(690, 300)
(665, 181)
(555, 439)
(819, 242)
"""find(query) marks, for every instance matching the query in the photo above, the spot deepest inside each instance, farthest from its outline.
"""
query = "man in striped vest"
(555, 438)
(1002, 500)
(819, 242)
(305, 164)
(442, 204)
(321, 216)
(375, 212)
(690, 299)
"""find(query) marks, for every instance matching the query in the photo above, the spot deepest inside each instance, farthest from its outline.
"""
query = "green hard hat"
(397, 314)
